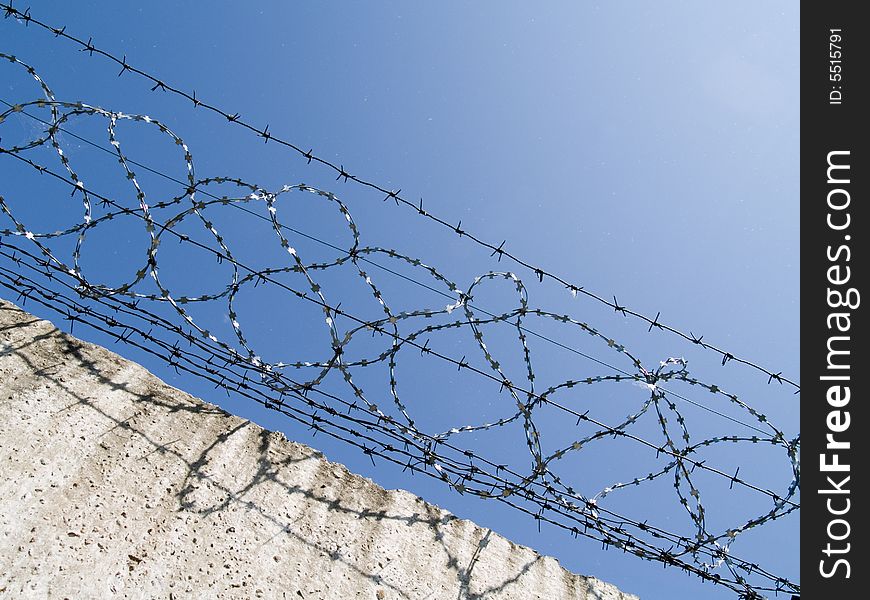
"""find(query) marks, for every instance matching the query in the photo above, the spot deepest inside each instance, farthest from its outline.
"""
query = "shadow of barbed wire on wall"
(355, 343)
(149, 454)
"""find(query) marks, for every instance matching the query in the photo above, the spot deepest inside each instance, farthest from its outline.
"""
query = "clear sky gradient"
(643, 150)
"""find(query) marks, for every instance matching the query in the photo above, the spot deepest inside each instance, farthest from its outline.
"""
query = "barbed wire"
(500, 250)
(131, 314)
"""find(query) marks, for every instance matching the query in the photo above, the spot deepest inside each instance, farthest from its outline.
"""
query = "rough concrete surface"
(116, 485)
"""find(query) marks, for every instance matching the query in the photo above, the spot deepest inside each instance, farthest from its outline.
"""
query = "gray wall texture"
(116, 485)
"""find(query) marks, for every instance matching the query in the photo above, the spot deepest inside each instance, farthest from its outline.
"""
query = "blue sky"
(644, 151)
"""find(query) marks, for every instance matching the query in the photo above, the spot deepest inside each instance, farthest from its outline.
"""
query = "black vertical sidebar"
(835, 222)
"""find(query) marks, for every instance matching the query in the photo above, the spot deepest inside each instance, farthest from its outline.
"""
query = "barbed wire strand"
(557, 498)
(342, 174)
(378, 327)
(26, 288)
(30, 290)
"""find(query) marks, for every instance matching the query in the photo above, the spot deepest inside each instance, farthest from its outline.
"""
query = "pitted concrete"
(116, 485)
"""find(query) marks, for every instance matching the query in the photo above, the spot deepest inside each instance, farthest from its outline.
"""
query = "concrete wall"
(116, 485)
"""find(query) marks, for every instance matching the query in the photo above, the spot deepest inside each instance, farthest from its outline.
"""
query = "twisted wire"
(41, 274)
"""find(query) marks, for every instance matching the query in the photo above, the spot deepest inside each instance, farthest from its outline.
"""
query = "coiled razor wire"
(34, 269)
